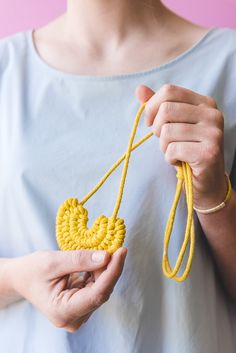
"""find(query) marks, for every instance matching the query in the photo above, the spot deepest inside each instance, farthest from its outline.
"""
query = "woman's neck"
(101, 24)
(103, 37)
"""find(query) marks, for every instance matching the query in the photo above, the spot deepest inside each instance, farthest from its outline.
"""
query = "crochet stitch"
(108, 233)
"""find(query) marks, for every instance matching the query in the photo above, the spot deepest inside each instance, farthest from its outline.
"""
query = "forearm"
(8, 295)
(220, 230)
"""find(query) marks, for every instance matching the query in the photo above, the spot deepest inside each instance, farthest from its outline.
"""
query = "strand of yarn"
(184, 176)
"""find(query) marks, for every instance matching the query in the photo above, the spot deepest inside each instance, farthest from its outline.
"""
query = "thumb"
(79, 261)
(143, 93)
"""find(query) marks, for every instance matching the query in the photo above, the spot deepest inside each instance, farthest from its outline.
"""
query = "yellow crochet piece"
(108, 233)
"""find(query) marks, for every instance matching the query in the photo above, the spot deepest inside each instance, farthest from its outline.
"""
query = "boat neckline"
(64, 74)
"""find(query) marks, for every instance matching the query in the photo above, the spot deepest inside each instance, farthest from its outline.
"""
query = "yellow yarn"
(108, 233)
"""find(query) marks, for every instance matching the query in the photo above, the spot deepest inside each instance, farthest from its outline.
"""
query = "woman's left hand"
(191, 129)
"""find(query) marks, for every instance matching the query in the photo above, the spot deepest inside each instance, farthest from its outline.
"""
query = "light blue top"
(59, 134)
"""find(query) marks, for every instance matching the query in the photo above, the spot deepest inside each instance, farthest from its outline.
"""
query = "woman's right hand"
(50, 281)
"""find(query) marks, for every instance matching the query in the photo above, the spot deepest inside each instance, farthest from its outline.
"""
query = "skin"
(191, 129)
(50, 281)
(79, 42)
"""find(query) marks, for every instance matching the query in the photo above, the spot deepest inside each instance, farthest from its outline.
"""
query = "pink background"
(18, 15)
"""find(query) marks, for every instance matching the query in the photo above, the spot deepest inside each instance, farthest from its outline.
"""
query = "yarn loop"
(108, 233)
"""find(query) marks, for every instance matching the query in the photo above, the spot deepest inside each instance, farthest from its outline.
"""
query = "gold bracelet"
(222, 204)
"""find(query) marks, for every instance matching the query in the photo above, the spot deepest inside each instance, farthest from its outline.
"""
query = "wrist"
(8, 292)
(214, 198)
(219, 199)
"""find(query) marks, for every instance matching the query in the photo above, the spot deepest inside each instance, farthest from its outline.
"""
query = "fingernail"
(98, 256)
(125, 251)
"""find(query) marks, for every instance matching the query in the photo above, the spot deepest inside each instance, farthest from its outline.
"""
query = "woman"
(69, 94)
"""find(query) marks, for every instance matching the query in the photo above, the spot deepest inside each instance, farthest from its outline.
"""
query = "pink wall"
(18, 15)
(206, 12)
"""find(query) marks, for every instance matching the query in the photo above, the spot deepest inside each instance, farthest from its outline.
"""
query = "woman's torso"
(59, 134)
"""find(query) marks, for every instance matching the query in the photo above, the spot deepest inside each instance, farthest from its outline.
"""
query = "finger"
(76, 324)
(172, 112)
(72, 279)
(78, 280)
(177, 132)
(90, 298)
(172, 93)
(109, 277)
(65, 262)
(143, 93)
(98, 273)
(82, 321)
(189, 152)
